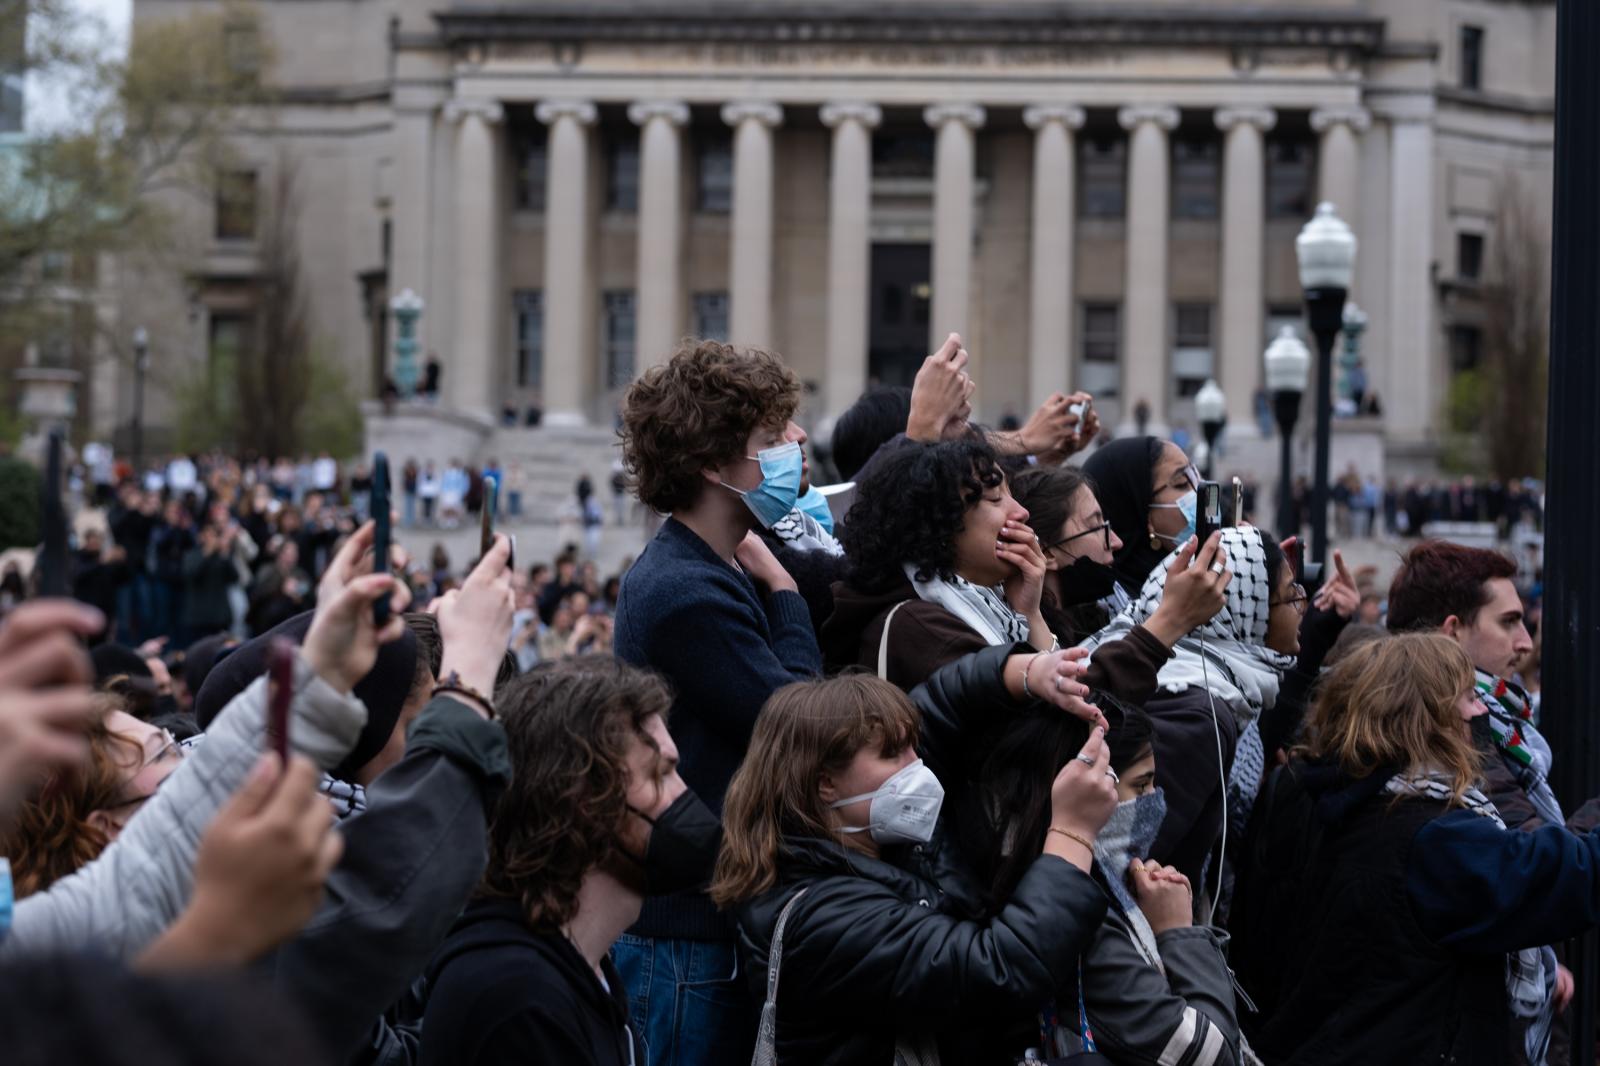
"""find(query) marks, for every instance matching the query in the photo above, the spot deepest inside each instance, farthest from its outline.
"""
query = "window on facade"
(530, 167)
(528, 306)
(1472, 57)
(1192, 363)
(236, 205)
(714, 184)
(618, 330)
(711, 315)
(902, 154)
(241, 47)
(1469, 256)
(1102, 176)
(1291, 177)
(622, 175)
(1196, 176)
(1466, 348)
(1100, 371)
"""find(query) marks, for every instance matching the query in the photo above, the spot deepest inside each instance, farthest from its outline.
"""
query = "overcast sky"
(49, 104)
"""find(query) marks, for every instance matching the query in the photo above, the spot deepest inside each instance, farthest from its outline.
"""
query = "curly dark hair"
(568, 725)
(697, 410)
(910, 508)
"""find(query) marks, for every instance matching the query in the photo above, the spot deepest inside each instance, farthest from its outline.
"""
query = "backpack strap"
(883, 641)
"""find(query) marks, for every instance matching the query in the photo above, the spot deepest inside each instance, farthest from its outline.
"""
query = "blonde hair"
(805, 730)
(1393, 703)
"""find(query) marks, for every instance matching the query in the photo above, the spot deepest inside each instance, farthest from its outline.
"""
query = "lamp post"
(1288, 366)
(1211, 407)
(1326, 250)
(407, 308)
(141, 364)
(1355, 323)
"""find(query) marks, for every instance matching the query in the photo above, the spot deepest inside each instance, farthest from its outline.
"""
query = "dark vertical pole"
(1325, 309)
(141, 361)
(1570, 673)
(1286, 406)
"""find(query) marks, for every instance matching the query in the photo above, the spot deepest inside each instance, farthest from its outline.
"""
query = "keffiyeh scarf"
(983, 609)
(1526, 752)
(1530, 972)
(800, 531)
(1233, 659)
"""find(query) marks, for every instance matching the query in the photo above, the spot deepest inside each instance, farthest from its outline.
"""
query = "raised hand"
(759, 562)
(46, 703)
(1163, 894)
(475, 620)
(1053, 677)
(1340, 594)
(1084, 793)
(1196, 589)
(342, 643)
(941, 394)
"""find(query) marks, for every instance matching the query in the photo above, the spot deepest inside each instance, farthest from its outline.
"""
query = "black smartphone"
(1309, 575)
(381, 533)
(52, 567)
(1207, 511)
(280, 693)
(491, 502)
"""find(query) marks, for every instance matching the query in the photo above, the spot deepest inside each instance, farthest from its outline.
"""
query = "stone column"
(1410, 400)
(1243, 337)
(953, 154)
(660, 273)
(569, 373)
(470, 370)
(849, 250)
(1339, 158)
(1144, 303)
(413, 206)
(750, 261)
(1052, 298)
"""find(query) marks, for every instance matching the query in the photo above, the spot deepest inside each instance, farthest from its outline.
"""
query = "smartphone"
(52, 565)
(1238, 503)
(1308, 574)
(381, 535)
(1207, 511)
(491, 501)
(1082, 411)
(280, 694)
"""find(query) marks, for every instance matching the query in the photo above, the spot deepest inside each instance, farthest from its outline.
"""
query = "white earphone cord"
(1222, 775)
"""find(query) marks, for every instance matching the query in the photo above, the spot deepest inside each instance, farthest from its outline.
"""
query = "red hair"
(1438, 579)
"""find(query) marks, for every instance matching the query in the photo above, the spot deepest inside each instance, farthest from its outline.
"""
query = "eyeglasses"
(171, 749)
(1104, 528)
(1298, 595)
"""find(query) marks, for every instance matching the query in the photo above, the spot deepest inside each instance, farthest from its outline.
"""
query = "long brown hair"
(51, 835)
(569, 726)
(805, 730)
(1391, 703)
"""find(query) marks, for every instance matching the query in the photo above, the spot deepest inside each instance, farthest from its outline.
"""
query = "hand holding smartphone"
(1207, 511)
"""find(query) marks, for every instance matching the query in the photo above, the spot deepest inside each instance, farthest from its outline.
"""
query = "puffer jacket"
(893, 947)
(118, 904)
(1144, 1016)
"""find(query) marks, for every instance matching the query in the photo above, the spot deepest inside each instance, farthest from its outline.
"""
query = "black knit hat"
(112, 660)
(383, 690)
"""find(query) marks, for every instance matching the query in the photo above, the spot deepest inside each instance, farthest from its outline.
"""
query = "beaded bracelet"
(453, 684)
(1027, 666)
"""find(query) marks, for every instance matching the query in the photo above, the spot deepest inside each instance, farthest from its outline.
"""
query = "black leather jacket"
(891, 947)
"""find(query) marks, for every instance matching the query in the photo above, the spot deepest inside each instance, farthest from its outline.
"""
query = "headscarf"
(1234, 662)
(1123, 472)
(383, 691)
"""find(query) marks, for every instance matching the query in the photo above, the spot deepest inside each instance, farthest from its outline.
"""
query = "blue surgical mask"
(779, 489)
(815, 504)
(1186, 506)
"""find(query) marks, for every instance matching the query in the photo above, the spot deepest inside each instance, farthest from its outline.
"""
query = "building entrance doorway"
(898, 334)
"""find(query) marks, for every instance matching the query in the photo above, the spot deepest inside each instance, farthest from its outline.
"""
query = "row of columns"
(567, 326)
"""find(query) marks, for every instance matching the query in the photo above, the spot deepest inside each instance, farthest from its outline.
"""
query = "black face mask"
(684, 841)
(1086, 581)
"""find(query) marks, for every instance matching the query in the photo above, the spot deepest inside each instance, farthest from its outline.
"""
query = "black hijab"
(1124, 473)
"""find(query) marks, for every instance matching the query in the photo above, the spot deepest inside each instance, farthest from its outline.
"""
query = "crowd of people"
(982, 756)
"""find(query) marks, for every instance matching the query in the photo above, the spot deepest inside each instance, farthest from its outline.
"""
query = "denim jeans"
(687, 1001)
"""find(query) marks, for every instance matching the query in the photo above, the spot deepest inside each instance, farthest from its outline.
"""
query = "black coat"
(894, 946)
(501, 994)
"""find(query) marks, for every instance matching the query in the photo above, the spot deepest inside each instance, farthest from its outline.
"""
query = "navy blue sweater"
(706, 627)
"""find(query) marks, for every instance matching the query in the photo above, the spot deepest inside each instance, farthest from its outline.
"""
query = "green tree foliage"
(19, 504)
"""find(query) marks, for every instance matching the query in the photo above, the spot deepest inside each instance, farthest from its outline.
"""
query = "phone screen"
(491, 497)
(1237, 517)
(380, 530)
(1208, 510)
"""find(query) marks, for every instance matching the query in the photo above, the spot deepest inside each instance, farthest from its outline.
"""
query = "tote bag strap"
(766, 1053)
(883, 641)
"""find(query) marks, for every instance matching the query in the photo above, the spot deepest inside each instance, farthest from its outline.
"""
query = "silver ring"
(1084, 759)
(1217, 567)
(1115, 780)
(1058, 682)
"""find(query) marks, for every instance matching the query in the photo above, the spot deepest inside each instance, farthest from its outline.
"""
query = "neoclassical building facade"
(1101, 196)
